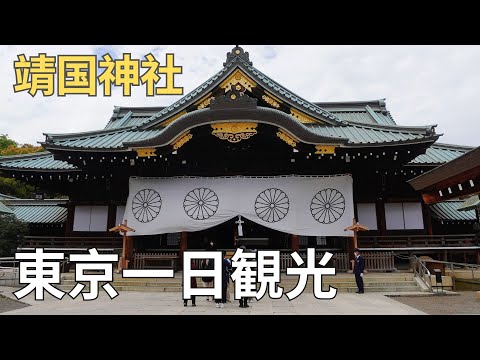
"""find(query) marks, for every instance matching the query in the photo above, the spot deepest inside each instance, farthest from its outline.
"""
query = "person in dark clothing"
(220, 303)
(358, 269)
(243, 300)
(193, 285)
(207, 264)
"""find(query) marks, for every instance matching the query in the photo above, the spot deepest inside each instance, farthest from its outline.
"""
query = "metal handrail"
(451, 265)
(15, 263)
(9, 260)
(420, 270)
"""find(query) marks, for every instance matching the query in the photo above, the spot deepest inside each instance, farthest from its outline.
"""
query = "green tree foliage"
(11, 147)
(11, 230)
(10, 186)
(6, 142)
(20, 150)
(15, 188)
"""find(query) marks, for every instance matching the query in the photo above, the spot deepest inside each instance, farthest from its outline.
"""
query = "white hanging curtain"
(301, 205)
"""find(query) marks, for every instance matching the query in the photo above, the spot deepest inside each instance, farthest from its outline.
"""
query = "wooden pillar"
(427, 219)
(112, 215)
(349, 248)
(295, 242)
(129, 251)
(380, 206)
(70, 219)
(183, 245)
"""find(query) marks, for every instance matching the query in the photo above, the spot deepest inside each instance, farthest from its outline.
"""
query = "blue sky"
(422, 85)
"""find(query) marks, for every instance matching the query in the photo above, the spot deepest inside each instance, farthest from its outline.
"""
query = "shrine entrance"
(225, 236)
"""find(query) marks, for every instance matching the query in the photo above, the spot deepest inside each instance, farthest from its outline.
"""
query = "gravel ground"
(7, 304)
(465, 303)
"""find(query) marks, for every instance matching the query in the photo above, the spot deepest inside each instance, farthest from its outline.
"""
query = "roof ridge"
(322, 110)
(25, 156)
(233, 62)
(7, 197)
(375, 126)
(84, 133)
(191, 94)
(355, 102)
(453, 146)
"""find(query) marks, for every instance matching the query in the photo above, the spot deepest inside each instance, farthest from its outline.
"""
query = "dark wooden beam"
(457, 170)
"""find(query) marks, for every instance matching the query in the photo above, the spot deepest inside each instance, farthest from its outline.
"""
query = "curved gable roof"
(237, 59)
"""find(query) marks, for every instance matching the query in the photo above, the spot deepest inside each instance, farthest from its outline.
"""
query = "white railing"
(421, 271)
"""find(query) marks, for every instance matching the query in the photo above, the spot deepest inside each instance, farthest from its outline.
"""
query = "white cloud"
(423, 84)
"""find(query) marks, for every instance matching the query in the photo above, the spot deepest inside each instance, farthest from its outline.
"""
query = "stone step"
(129, 283)
(284, 282)
(374, 282)
(307, 290)
(353, 284)
(351, 280)
(284, 278)
(287, 287)
(128, 288)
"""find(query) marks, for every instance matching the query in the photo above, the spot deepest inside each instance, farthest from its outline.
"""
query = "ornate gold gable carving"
(146, 152)
(325, 149)
(234, 132)
(173, 118)
(271, 100)
(287, 138)
(182, 140)
(238, 77)
(303, 118)
(204, 102)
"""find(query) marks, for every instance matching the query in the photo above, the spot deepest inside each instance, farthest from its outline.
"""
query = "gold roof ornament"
(205, 101)
(146, 152)
(238, 78)
(287, 138)
(234, 132)
(325, 149)
(271, 100)
(182, 140)
(303, 118)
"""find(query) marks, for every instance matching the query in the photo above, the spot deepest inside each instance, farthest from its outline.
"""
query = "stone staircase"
(374, 282)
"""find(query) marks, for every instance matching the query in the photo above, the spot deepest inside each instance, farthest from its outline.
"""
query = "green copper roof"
(36, 161)
(112, 139)
(360, 123)
(241, 61)
(128, 117)
(39, 211)
(370, 134)
(473, 202)
(356, 134)
(287, 95)
(448, 211)
(367, 116)
(5, 209)
(40, 214)
(6, 197)
(440, 154)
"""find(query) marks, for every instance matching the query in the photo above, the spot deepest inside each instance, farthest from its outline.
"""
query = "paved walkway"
(141, 303)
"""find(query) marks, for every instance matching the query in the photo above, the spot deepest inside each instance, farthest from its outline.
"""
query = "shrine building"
(238, 127)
